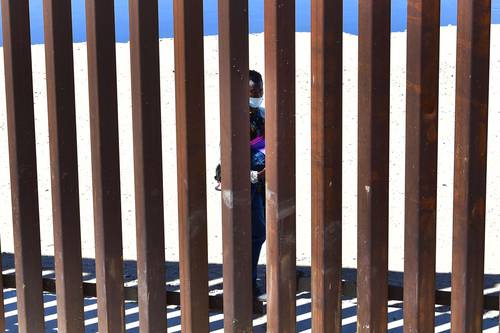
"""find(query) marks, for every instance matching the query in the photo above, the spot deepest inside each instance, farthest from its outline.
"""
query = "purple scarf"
(258, 144)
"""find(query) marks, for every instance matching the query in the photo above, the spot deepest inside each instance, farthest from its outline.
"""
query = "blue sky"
(303, 18)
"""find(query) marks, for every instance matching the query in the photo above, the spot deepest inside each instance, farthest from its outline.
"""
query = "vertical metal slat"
(471, 127)
(64, 164)
(105, 164)
(191, 162)
(2, 309)
(421, 164)
(146, 111)
(326, 100)
(235, 155)
(373, 164)
(23, 169)
(279, 36)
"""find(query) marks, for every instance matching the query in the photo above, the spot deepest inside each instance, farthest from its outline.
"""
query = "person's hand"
(262, 174)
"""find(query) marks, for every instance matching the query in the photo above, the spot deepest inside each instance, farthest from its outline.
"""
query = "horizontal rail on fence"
(215, 302)
(395, 293)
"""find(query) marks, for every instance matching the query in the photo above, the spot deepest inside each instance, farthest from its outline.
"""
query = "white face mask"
(255, 102)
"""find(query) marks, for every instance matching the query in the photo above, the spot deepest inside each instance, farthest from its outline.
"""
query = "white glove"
(254, 177)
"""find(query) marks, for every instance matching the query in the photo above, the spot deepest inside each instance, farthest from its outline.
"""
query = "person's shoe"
(259, 293)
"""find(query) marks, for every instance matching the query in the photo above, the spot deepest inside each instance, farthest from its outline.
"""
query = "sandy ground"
(397, 120)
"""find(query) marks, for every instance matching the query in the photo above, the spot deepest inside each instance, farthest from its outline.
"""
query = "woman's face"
(256, 90)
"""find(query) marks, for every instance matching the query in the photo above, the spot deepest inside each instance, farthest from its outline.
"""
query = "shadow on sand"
(395, 313)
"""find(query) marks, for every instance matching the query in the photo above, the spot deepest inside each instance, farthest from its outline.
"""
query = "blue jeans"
(258, 193)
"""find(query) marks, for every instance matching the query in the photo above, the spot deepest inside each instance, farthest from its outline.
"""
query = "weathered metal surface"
(191, 163)
(279, 36)
(373, 163)
(64, 164)
(105, 163)
(235, 161)
(326, 200)
(471, 127)
(23, 169)
(422, 91)
(146, 114)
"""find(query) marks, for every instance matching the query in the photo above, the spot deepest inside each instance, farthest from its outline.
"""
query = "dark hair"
(255, 77)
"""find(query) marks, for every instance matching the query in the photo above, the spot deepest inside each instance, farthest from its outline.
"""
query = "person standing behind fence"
(257, 173)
